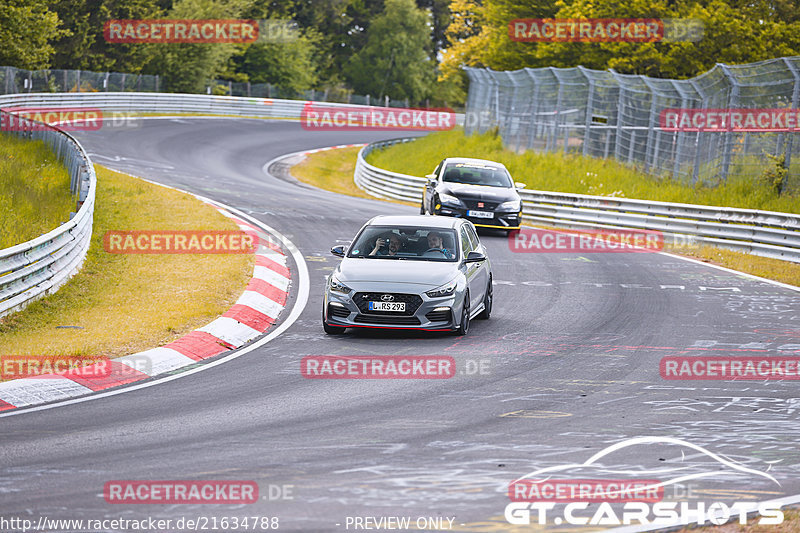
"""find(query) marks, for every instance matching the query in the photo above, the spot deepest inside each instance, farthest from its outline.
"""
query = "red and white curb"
(255, 312)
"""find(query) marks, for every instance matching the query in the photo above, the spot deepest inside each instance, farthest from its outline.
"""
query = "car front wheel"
(463, 326)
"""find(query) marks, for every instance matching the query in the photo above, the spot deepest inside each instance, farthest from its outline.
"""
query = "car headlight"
(511, 205)
(445, 290)
(337, 286)
(447, 199)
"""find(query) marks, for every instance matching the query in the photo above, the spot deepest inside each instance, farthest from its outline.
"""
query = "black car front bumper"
(505, 220)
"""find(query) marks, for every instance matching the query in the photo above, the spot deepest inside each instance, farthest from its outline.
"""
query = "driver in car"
(394, 246)
(435, 244)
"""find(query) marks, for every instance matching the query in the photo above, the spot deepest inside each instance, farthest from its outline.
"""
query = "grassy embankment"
(120, 304)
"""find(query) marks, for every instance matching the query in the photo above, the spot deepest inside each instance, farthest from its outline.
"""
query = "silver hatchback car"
(409, 272)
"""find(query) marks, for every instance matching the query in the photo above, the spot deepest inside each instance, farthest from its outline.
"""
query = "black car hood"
(478, 192)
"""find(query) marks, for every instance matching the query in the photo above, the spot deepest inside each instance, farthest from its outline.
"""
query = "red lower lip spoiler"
(412, 328)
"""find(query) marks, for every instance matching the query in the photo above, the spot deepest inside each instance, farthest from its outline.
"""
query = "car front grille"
(487, 206)
(412, 301)
(395, 320)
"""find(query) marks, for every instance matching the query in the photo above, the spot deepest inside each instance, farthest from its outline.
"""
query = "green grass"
(34, 190)
(577, 174)
(124, 303)
(332, 170)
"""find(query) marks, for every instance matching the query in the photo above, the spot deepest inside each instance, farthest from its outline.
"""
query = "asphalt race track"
(570, 365)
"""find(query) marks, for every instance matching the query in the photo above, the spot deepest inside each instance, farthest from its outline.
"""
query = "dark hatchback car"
(476, 189)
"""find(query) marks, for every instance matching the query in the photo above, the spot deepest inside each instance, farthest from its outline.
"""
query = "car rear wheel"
(463, 326)
(487, 302)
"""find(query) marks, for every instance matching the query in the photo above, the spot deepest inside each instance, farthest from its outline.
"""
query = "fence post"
(648, 159)
(589, 112)
(795, 104)
(552, 140)
(618, 136)
(703, 105)
(733, 101)
(679, 135)
(534, 107)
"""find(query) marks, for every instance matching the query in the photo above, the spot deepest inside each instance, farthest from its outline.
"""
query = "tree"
(188, 67)
(26, 29)
(84, 46)
(736, 31)
(289, 63)
(395, 61)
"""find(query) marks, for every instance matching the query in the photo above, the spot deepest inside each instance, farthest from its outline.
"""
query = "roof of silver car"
(484, 162)
(415, 220)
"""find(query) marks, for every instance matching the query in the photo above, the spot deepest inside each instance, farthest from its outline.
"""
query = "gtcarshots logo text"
(535, 496)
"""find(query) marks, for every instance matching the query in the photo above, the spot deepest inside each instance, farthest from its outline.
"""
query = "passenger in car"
(394, 245)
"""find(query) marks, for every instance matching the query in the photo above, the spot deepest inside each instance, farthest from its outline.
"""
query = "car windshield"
(406, 242)
(477, 174)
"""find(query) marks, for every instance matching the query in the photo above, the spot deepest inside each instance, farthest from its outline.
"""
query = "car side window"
(473, 237)
(438, 168)
(466, 245)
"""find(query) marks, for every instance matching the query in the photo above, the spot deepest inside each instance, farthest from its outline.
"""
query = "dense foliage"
(402, 49)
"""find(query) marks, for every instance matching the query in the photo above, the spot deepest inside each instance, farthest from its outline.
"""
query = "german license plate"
(397, 307)
(479, 214)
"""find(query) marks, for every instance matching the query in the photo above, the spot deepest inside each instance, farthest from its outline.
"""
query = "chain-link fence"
(607, 114)
(14, 81)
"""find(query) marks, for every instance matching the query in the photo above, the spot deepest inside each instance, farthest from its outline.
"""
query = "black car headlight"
(450, 200)
(445, 290)
(511, 205)
(337, 286)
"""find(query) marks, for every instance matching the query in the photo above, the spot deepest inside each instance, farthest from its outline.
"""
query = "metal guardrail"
(174, 103)
(764, 233)
(40, 266)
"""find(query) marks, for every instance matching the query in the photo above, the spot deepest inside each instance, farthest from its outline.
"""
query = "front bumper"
(350, 311)
(500, 220)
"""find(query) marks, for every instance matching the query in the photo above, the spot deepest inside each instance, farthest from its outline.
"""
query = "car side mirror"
(338, 250)
(431, 179)
(475, 257)
(519, 185)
